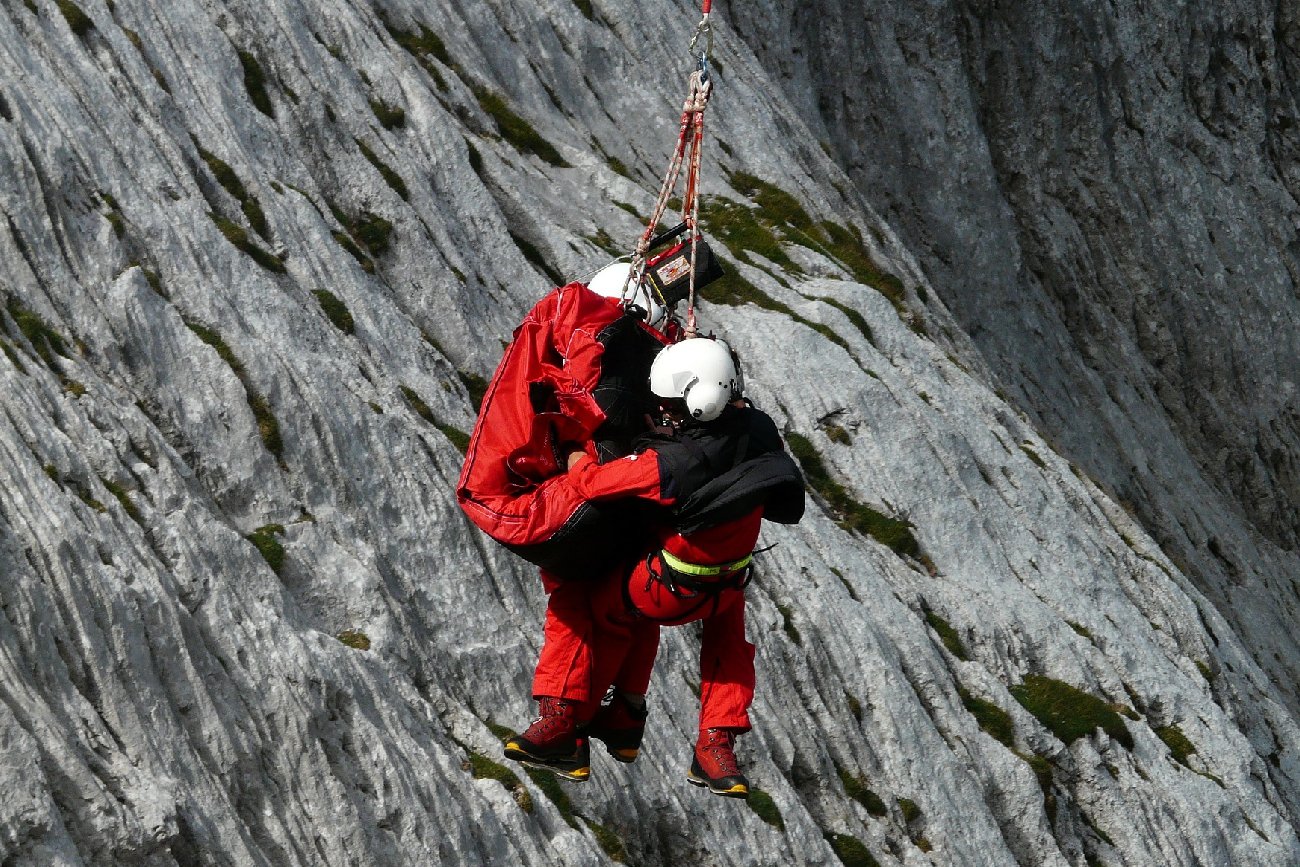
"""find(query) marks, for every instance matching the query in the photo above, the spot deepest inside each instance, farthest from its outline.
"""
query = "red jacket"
(511, 485)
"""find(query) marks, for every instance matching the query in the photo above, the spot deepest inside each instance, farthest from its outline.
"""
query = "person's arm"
(636, 475)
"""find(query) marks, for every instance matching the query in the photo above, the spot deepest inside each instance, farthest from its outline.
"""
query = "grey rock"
(244, 622)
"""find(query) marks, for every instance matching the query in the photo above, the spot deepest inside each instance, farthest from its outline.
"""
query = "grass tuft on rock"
(610, 842)
(268, 427)
(856, 788)
(514, 129)
(1179, 745)
(535, 257)
(851, 851)
(124, 499)
(80, 23)
(354, 638)
(255, 83)
(389, 116)
(458, 437)
(554, 791)
(1069, 712)
(335, 310)
(391, 177)
(993, 720)
(367, 236)
(229, 180)
(265, 541)
(44, 340)
(765, 808)
(947, 635)
(236, 235)
(893, 533)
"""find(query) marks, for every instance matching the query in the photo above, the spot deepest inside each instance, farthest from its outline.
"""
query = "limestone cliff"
(259, 258)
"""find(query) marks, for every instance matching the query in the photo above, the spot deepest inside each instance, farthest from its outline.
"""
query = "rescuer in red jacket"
(716, 466)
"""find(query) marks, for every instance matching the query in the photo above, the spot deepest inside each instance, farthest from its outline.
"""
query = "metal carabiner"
(705, 29)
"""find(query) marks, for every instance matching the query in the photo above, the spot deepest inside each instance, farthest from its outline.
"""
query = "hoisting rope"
(689, 139)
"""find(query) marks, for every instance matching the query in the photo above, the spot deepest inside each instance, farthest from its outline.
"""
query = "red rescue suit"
(720, 479)
(547, 392)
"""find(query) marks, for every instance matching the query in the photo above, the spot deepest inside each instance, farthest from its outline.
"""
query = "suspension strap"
(690, 137)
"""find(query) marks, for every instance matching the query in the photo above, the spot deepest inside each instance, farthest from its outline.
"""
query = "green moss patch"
(610, 842)
(366, 236)
(265, 541)
(236, 235)
(744, 229)
(422, 45)
(123, 498)
(458, 437)
(83, 494)
(44, 340)
(856, 788)
(514, 129)
(893, 533)
(389, 116)
(1179, 745)
(851, 851)
(78, 20)
(992, 719)
(911, 812)
(354, 638)
(229, 180)
(947, 635)
(391, 177)
(255, 83)
(776, 218)
(268, 427)
(858, 320)
(553, 789)
(335, 310)
(535, 257)
(765, 808)
(1069, 712)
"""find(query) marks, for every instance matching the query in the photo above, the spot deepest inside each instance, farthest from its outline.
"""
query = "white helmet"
(701, 371)
(614, 281)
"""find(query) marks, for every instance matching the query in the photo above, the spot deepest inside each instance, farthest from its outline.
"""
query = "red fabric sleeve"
(633, 476)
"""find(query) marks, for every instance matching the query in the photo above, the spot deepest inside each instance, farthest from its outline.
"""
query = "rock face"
(258, 259)
(1109, 201)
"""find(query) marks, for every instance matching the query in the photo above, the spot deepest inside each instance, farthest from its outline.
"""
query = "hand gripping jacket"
(574, 372)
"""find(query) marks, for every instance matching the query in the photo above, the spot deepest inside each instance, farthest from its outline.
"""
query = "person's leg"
(564, 665)
(561, 684)
(726, 692)
(626, 648)
(726, 667)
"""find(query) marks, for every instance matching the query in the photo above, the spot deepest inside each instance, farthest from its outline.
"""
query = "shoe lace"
(554, 713)
(718, 746)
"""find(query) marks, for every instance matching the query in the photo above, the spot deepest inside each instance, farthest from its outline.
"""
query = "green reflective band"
(678, 565)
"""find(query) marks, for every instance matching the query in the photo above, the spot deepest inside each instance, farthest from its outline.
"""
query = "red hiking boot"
(619, 725)
(715, 765)
(552, 742)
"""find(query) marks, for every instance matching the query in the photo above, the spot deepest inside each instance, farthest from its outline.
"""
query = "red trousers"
(608, 633)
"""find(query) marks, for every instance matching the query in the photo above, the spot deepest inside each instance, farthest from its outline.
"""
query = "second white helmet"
(700, 371)
(615, 281)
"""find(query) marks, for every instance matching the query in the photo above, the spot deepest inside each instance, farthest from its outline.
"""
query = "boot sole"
(570, 769)
(739, 790)
(626, 755)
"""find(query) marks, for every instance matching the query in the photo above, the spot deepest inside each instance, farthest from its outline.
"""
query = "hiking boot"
(715, 765)
(619, 725)
(552, 742)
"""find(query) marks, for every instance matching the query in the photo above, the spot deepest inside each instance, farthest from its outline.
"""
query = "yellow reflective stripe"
(679, 565)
